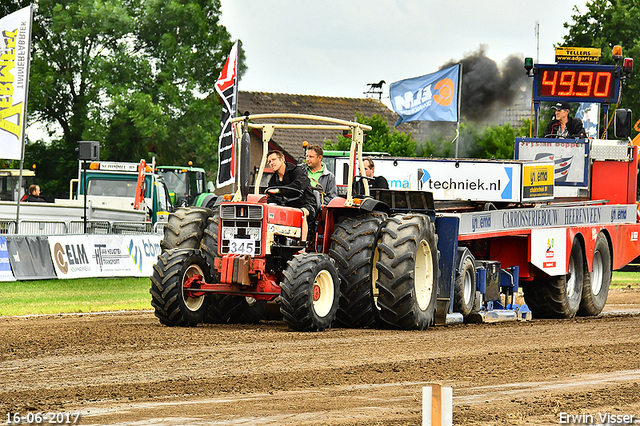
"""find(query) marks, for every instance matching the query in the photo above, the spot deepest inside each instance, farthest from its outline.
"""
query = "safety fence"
(94, 227)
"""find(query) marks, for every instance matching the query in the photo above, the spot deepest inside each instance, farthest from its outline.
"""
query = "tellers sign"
(576, 83)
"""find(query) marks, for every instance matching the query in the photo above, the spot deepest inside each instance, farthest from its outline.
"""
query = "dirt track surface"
(125, 368)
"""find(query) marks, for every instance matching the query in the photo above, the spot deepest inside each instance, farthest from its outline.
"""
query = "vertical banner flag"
(15, 48)
(227, 88)
(431, 97)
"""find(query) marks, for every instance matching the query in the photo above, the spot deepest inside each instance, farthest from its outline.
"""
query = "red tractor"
(224, 264)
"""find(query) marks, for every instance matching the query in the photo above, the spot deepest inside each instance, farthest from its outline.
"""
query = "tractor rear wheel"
(310, 292)
(185, 228)
(596, 284)
(209, 244)
(408, 272)
(174, 304)
(558, 297)
(228, 309)
(353, 247)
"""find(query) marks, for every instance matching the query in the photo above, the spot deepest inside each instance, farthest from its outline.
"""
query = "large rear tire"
(310, 292)
(174, 305)
(210, 238)
(353, 245)
(408, 272)
(228, 309)
(596, 284)
(558, 297)
(185, 228)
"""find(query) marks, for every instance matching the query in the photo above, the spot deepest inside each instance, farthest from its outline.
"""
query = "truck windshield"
(163, 201)
(112, 187)
(176, 181)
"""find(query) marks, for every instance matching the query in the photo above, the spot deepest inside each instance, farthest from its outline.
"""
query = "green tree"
(604, 24)
(378, 139)
(128, 73)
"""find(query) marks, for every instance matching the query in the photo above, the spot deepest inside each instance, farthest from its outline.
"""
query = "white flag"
(15, 48)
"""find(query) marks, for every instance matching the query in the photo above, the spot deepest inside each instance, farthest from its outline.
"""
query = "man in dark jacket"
(563, 126)
(379, 182)
(292, 176)
(34, 195)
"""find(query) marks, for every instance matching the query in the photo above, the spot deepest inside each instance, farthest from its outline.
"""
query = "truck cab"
(185, 183)
(9, 183)
(115, 184)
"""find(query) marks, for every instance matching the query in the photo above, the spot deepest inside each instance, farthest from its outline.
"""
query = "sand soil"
(126, 368)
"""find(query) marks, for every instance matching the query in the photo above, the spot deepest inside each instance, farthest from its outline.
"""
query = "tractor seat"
(317, 193)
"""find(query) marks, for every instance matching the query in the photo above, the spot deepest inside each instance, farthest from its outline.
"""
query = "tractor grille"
(241, 221)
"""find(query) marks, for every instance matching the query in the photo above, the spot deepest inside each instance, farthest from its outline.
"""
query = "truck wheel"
(408, 272)
(558, 297)
(174, 305)
(184, 228)
(353, 244)
(228, 309)
(310, 292)
(464, 292)
(596, 284)
(210, 240)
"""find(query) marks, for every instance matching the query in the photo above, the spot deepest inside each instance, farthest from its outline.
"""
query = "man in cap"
(564, 126)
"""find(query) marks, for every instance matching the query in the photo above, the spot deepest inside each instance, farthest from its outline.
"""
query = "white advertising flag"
(15, 48)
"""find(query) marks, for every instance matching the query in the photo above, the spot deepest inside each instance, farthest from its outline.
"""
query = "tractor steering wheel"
(284, 194)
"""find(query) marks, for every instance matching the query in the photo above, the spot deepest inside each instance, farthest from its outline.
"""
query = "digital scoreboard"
(576, 83)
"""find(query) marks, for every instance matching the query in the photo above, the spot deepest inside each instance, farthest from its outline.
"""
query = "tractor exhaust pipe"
(245, 159)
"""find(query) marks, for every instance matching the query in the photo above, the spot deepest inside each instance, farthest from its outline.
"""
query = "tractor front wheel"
(310, 292)
(174, 288)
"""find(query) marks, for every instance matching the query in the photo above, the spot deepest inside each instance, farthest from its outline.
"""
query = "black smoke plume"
(486, 86)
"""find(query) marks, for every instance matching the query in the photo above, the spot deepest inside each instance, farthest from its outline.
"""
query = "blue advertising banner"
(431, 97)
(5, 267)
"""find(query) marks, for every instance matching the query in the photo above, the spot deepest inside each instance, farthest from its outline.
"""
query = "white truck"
(111, 197)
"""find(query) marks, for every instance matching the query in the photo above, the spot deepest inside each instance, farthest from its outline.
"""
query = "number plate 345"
(242, 246)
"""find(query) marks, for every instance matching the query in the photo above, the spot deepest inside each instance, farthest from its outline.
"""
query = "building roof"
(341, 108)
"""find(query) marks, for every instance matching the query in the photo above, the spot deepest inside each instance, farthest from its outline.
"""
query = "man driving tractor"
(292, 176)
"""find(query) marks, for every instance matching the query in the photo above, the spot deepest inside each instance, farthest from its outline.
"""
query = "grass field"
(117, 294)
(79, 295)
(625, 280)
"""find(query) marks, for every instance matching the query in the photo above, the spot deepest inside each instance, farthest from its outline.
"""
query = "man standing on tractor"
(564, 126)
(292, 176)
(320, 175)
(372, 180)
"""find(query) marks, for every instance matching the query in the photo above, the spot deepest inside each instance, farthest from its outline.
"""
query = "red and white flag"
(227, 88)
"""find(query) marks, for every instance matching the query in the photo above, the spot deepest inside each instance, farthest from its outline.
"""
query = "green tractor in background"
(188, 185)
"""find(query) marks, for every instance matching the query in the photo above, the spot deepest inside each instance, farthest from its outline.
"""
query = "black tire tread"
(398, 245)
(352, 247)
(459, 304)
(229, 309)
(590, 304)
(184, 228)
(166, 290)
(297, 288)
(547, 297)
(209, 244)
